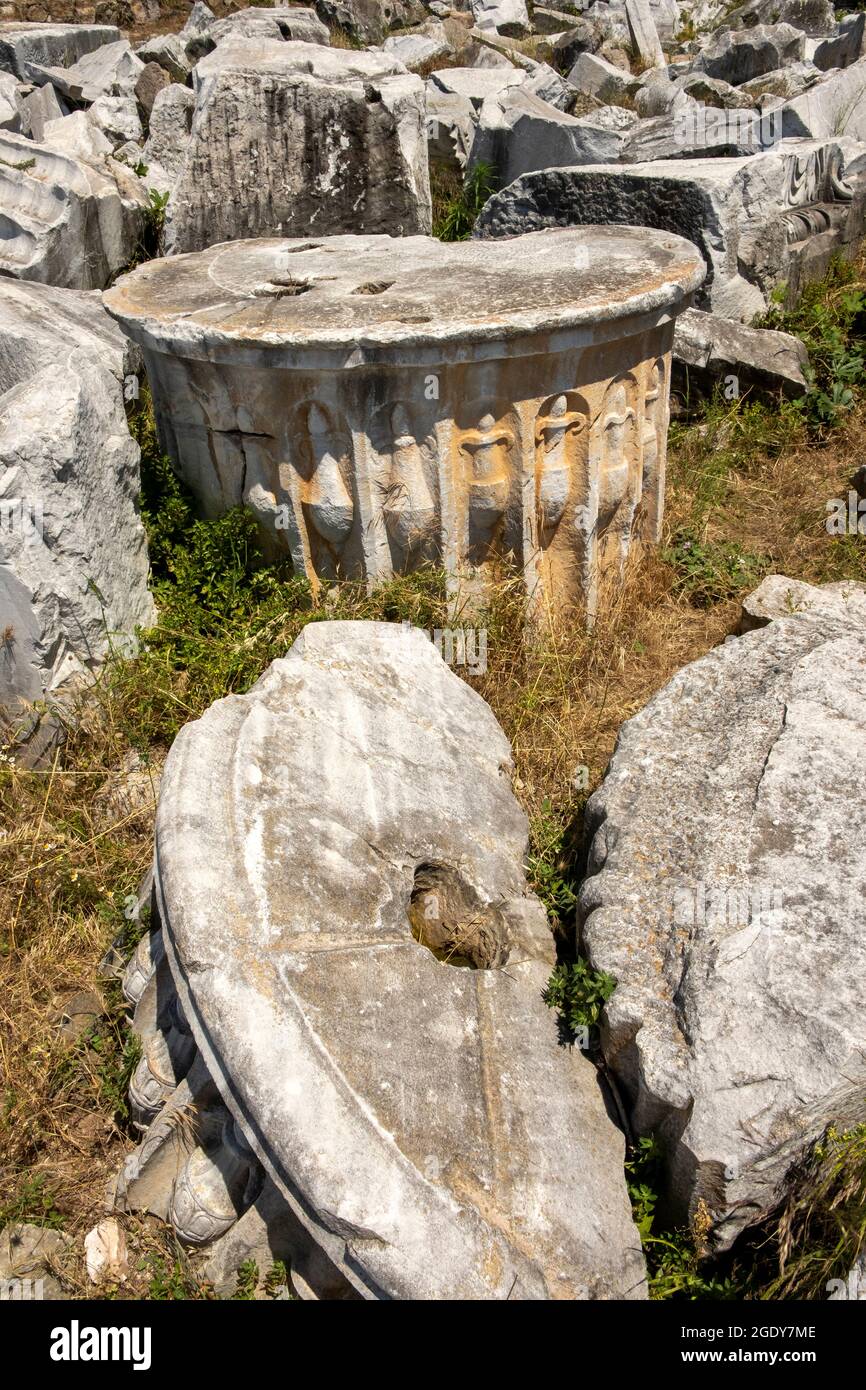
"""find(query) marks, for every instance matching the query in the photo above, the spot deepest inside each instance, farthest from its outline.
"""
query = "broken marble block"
(369, 21)
(595, 76)
(282, 23)
(738, 55)
(451, 124)
(476, 84)
(383, 403)
(780, 597)
(73, 557)
(351, 996)
(518, 133)
(710, 352)
(78, 137)
(25, 49)
(10, 104)
(41, 325)
(111, 70)
(753, 218)
(300, 139)
(169, 129)
(643, 34)
(421, 46)
(39, 106)
(725, 895)
(833, 106)
(812, 16)
(844, 46)
(67, 221)
(509, 17)
(169, 52)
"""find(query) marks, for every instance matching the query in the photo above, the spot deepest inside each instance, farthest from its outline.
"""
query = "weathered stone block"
(288, 23)
(289, 137)
(380, 403)
(738, 55)
(67, 222)
(73, 557)
(517, 133)
(26, 48)
(421, 1120)
(725, 895)
(708, 350)
(834, 106)
(752, 218)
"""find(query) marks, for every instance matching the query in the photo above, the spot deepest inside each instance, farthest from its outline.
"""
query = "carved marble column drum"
(383, 403)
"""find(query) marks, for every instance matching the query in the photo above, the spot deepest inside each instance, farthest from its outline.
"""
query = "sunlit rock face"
(383, 403)
(292, 138)
(347, 987)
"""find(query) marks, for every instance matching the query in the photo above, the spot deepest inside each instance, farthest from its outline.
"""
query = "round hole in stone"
(447, 916)
(374, 287)
(415, 318)
(307, 246)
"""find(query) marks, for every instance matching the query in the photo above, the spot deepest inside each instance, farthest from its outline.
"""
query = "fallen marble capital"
(381, 403)
(347, 988)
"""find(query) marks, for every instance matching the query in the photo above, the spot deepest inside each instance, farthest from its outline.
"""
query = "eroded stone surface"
(753, 218)
(709, 349)
(67, 221)
(73, 559)
(380, 403)
(421, 1119)
(299, 138)
(725, 894)
(777, 596)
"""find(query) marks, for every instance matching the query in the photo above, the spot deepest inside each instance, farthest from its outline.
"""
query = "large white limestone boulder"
(294, 139)
(73, 556)
(725, 893)
(315, 839)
